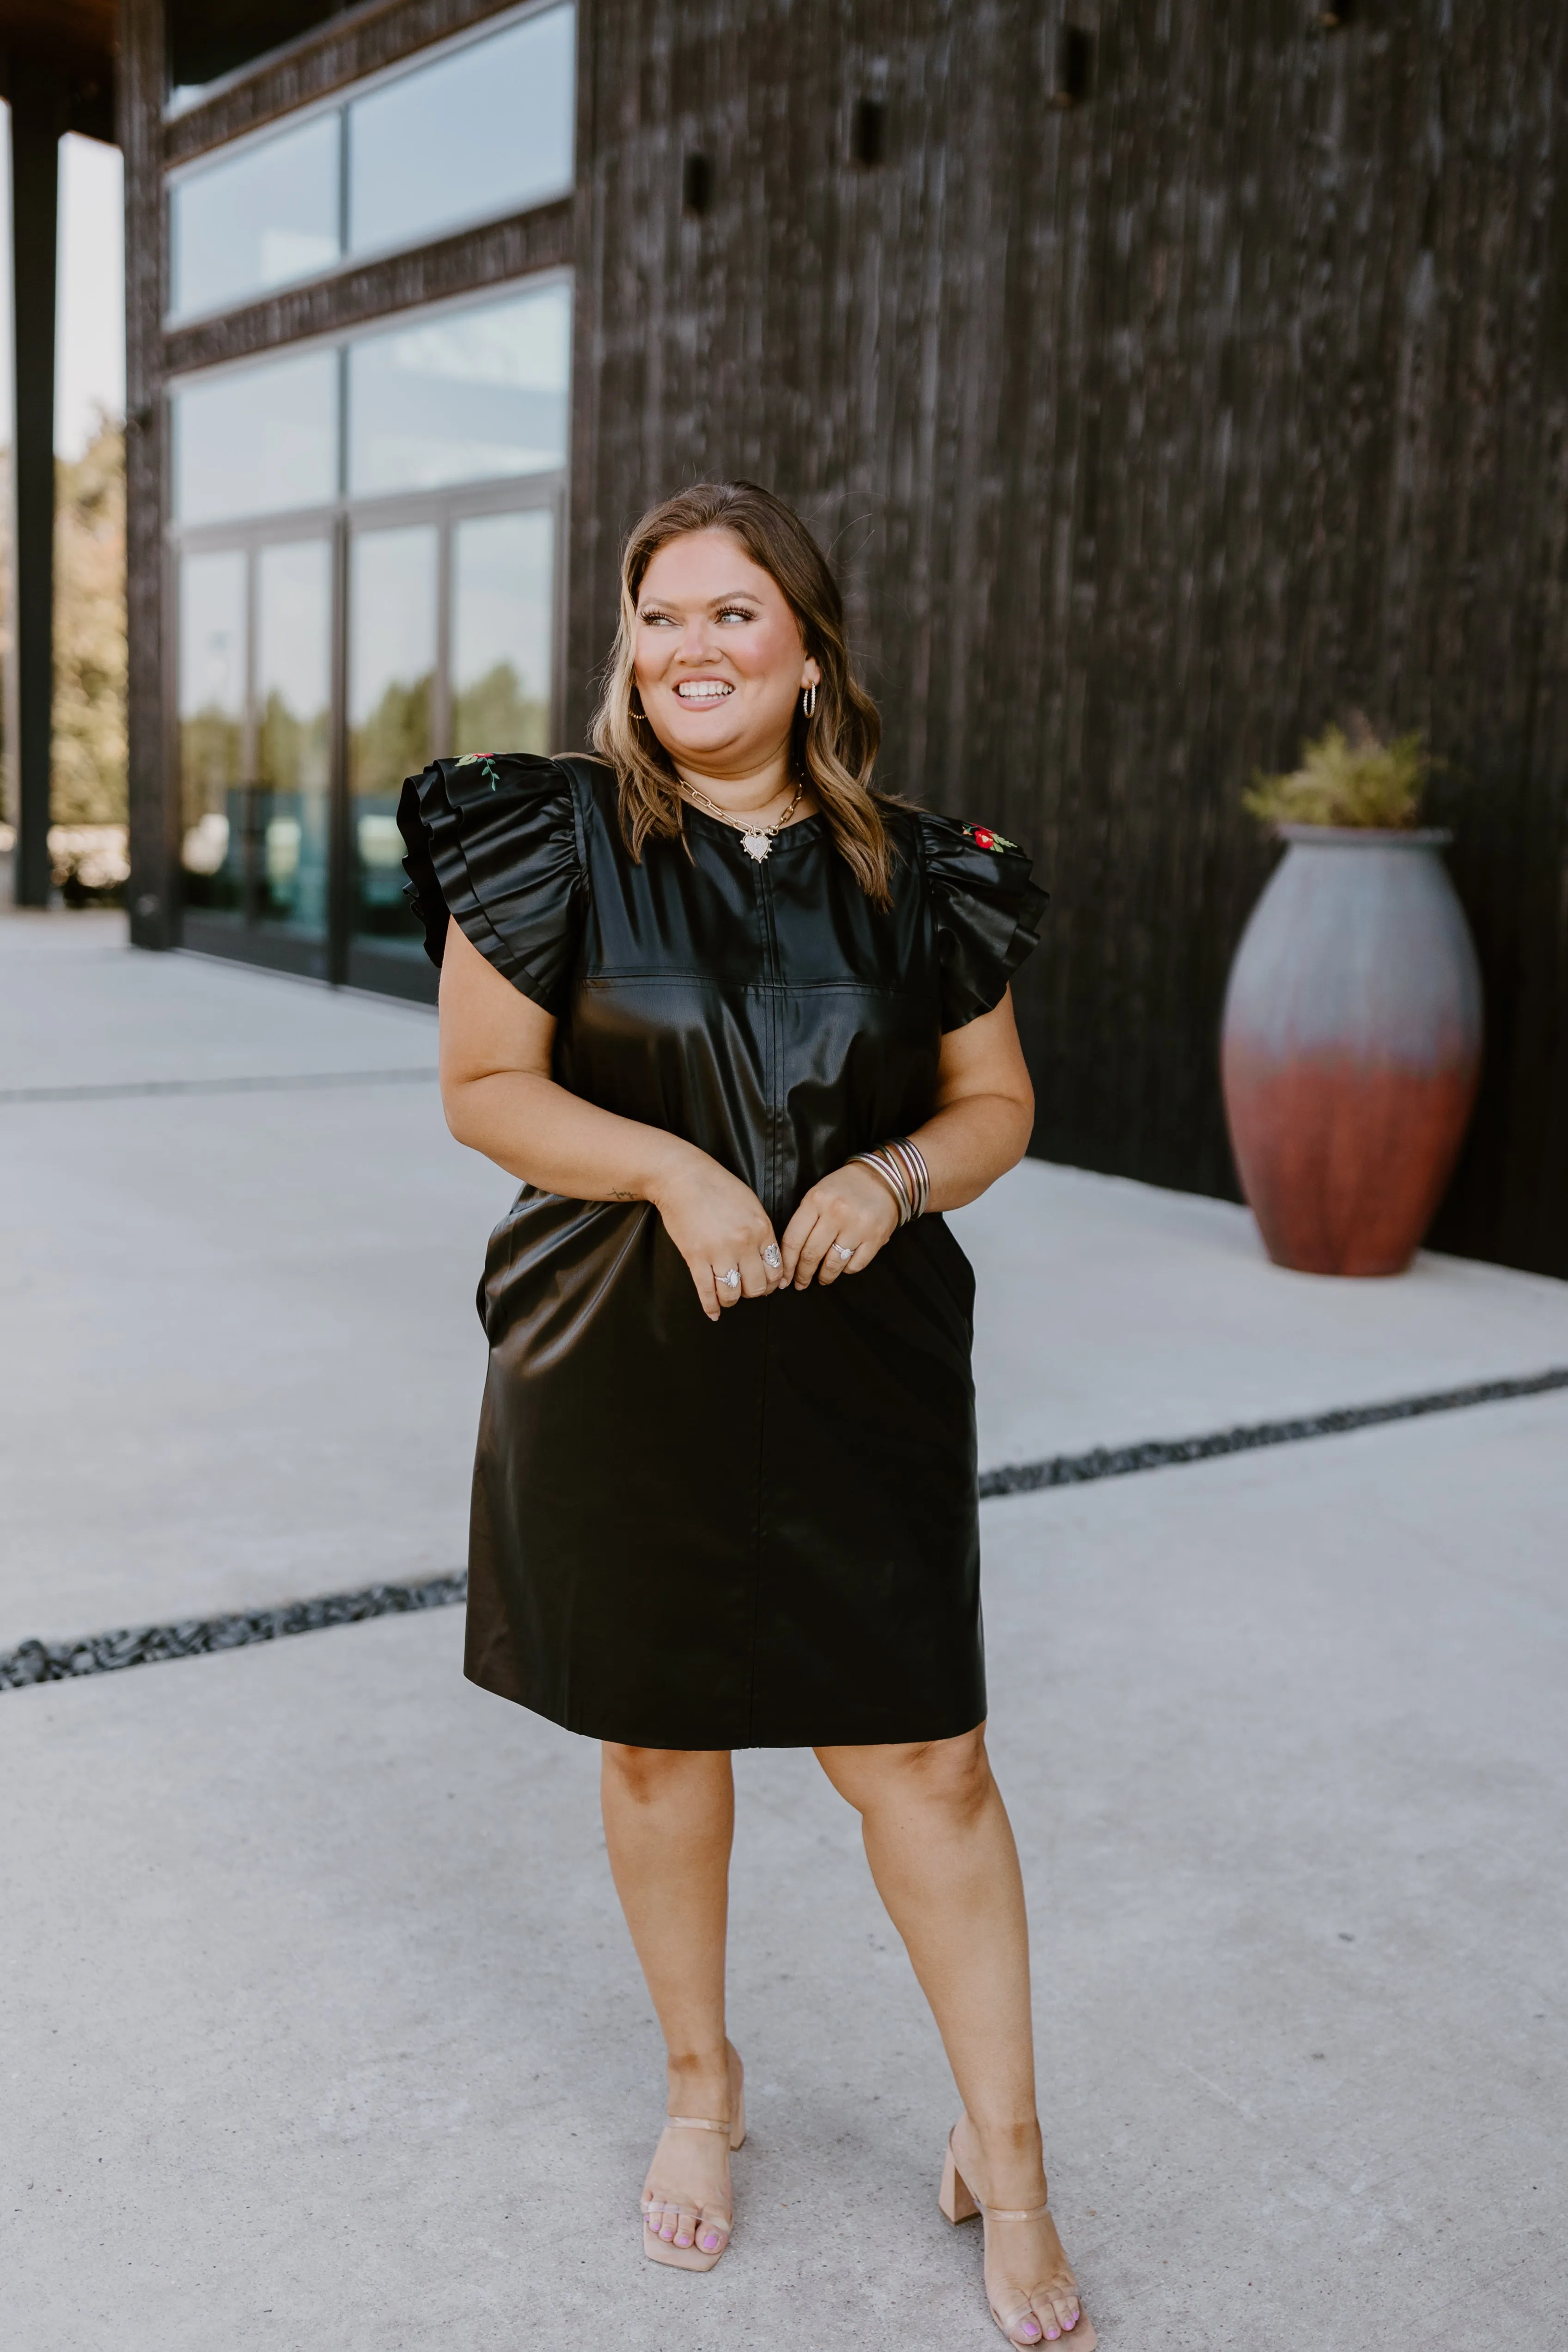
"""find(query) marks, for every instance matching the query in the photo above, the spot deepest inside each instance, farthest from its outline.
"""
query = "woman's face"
(719, 660)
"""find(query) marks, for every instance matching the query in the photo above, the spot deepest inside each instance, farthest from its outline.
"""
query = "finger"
(794, 1235)
(811, 1250)
(834, 1263)
(707, 1289)
(756, 1279)
(772, 1263)
(729, 1294)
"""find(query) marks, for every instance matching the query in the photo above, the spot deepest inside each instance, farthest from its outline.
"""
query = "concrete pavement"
(322, 2026)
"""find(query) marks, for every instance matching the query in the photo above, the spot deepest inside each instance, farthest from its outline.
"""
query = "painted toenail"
(710, 2240)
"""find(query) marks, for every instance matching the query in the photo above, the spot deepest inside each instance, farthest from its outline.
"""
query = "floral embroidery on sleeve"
(983, 838)
(485, 760)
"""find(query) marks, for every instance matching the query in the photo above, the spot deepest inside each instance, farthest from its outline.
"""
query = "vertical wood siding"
(1148, 435)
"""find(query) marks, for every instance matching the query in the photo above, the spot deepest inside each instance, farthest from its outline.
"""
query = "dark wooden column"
(38, 92)
(153, 791)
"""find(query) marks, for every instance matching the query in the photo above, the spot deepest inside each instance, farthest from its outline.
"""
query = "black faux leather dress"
(763, 1531)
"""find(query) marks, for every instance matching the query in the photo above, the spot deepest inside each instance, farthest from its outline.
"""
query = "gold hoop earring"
(808, 699)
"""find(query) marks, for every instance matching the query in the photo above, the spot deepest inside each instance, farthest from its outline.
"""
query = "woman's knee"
(952, 1775)
(646, 1774)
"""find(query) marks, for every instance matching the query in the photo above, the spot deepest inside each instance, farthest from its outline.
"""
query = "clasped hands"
(719, 1226)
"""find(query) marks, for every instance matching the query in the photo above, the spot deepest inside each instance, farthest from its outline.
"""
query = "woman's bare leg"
(669, 1816)
(940, 1848)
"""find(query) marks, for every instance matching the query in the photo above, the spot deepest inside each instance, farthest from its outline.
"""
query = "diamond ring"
(731, 1280)
(841, 1253)
(772, 1258)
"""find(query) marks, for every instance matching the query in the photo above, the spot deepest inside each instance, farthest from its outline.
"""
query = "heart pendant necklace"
(756, 840)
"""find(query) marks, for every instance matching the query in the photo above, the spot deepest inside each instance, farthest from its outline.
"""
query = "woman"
(735, 1020)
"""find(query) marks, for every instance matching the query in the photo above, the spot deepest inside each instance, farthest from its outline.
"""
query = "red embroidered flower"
(983, 838)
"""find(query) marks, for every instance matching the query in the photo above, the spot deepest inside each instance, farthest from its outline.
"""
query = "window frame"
(339, 955)
(338, 104)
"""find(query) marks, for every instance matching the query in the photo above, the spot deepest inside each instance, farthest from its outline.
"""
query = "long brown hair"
(833, 752)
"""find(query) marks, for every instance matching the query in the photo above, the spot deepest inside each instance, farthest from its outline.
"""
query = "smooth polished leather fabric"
(760, 1532)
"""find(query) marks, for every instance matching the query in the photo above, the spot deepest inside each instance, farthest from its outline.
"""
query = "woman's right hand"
(717, 1223)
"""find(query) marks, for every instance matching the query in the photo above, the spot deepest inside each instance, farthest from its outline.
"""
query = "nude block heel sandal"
(958, 2203)
(692, 2258)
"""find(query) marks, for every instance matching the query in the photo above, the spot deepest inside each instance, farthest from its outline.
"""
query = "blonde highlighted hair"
(833, 752)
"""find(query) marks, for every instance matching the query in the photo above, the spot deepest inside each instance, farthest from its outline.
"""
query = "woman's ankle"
(697, 2082)
(1009, 2146)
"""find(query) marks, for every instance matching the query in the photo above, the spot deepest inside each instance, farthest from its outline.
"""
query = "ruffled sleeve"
(987, 912)
(494, 843)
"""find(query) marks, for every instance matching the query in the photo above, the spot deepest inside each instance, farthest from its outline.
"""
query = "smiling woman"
(740, 1023)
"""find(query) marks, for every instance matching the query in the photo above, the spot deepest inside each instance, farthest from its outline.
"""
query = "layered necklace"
(756, 840)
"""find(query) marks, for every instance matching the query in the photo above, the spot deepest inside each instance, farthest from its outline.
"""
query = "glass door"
(452, 626)
(394, 667)
(212, 709)
(502, 631)
(288, 817)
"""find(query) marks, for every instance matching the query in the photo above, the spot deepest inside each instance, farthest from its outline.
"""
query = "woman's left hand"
(838, 1227)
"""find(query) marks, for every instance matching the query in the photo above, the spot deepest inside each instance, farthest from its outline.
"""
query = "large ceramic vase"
(1352, 1047)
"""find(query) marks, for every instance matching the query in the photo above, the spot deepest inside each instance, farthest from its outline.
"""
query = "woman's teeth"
(704, 689)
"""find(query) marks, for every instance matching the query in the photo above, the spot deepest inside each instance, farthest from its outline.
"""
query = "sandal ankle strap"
(693, 2123)
(1002, 2213)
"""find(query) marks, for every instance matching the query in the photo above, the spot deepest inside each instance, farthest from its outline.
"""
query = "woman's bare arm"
(500, 1099)
(981, 1127)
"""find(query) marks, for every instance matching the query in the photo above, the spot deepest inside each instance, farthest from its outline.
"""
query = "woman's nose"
(696, 640)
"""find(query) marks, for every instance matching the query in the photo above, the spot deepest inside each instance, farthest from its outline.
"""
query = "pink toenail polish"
(710, 2242)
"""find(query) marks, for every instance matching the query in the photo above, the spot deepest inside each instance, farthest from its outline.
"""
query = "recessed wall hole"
(696, 184)
(867, 132)
(1074, 60)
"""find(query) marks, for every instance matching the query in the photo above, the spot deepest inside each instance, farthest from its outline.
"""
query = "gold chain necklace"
(756, 840)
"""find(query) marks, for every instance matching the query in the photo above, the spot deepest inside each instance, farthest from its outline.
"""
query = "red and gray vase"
(1352, 1047)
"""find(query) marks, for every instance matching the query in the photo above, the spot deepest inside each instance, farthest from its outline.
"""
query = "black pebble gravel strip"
(195, 1637)
(1166, 1452)
(117, 1090)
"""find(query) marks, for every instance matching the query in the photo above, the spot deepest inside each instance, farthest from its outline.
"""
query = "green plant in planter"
(1354, 778)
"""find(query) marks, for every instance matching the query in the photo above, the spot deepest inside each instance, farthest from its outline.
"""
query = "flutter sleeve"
(493, 843)
(986, 910)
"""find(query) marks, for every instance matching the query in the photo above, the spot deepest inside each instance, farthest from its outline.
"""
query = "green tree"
(87, 758)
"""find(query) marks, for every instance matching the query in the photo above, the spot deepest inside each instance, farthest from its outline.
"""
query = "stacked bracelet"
(901, 1168)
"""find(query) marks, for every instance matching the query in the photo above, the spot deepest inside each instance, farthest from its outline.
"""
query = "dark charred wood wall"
(1149, 434)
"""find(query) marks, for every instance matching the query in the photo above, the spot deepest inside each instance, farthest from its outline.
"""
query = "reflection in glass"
(501, 613)
(485, 130)
(288, 821)
(392, 673)
(259, 441)
(472, 393)
(212, 726)
(256, 219)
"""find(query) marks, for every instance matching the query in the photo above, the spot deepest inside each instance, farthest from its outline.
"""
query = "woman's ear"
(812, 674)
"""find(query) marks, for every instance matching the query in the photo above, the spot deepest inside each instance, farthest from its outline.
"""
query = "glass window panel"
(212, 726)
(466, 396)
(503, 574)
(256, 219)
(258, 442)
(482, 132)
(293, 741)
(392, 677)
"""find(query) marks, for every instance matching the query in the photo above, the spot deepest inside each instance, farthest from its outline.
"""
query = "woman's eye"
(735, 613)
(657, 621)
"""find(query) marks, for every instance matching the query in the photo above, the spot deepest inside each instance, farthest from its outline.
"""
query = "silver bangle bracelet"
(901, 1166)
